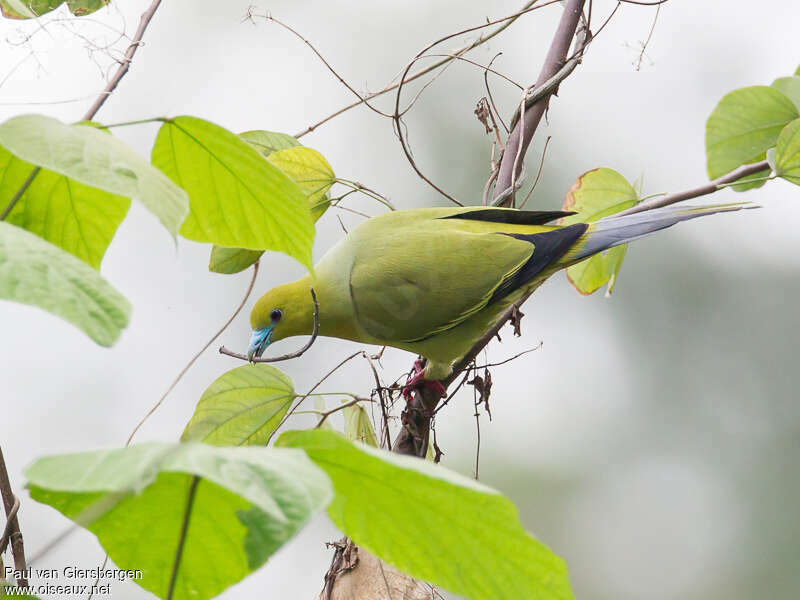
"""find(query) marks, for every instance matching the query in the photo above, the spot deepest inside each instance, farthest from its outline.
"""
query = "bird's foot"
(418, 382)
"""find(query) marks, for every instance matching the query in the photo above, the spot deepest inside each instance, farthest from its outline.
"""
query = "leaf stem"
(137, 122)
(182, 539)
(18, 194)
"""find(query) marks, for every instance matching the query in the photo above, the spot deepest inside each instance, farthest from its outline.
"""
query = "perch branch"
(315, 331)
(522, 133)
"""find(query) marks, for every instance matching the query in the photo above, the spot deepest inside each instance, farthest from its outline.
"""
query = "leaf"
(231, 260)
(742, 127)
(358, 425)
(787, 153)
(91, 157)
(236, 198)
(594, 195)
(75, 217)
(790, 86)
(30, 9)
(432, 523)
(267, 142)
(239, 506)
(311, 172)
(305, 166)
(33, 271)
(242, 407)
(319, 406)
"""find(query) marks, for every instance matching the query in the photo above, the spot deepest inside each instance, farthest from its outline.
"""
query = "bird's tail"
(614, 230)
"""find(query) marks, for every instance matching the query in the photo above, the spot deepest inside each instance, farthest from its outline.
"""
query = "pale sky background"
(652, 441)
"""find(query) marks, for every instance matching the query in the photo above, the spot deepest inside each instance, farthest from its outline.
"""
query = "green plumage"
(433, 280)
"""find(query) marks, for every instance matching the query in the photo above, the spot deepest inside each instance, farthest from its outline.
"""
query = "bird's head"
(282, 312)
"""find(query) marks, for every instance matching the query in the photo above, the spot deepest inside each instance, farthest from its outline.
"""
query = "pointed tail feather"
(613, 230)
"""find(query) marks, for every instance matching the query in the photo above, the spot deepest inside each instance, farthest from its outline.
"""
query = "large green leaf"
(80, 219)
(742, 127)
(243, 407)
(596, 194)
(30, 9)
(92, 157)
(787, 153)
(431, 523)
(305, 166)
(231, 260)
(33, 271)
(790, 86)
(238, 506)
(267, 142)
(236, 198)
(311, 172)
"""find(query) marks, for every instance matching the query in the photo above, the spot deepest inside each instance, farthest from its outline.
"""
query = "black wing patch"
(548, 248)
(511, 217)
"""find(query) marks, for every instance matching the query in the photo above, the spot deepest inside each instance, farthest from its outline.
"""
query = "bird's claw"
(418, 382)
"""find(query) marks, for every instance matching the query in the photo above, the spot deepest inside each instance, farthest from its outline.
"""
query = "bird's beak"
(259, 340)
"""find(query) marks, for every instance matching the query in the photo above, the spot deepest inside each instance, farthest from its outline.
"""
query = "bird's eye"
(276, 315)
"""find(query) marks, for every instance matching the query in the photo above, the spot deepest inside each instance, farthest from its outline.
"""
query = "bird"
(432, 281)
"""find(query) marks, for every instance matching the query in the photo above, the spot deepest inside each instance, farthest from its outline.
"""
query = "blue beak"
(260, 339)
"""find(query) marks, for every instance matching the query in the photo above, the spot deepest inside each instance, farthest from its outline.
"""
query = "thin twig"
(18, 194)
(476, 404)
(294, 408)
(397, 116)
(7, 531)
(125, 62)
(271, 359)
(649, 37)
(507, 22)
(384, 413)
(124, 65)
(197, 355)
(494, 110)
(707, 188)
(11, 504)
(352, 402)
(538, 173)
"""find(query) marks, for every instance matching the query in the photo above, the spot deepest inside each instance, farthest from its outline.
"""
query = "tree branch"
(11, 504)
(417, 74)
(124, 65)
(125, 62)
(707, 188)
(522, 133)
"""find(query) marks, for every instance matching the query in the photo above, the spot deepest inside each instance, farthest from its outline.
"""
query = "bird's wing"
(409, 285)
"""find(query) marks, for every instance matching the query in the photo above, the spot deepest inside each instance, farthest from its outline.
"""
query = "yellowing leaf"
(597, 194)
(267, 142)
(358, 425)
(310, 171)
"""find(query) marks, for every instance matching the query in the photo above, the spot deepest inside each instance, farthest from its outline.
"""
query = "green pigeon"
(432, 281)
